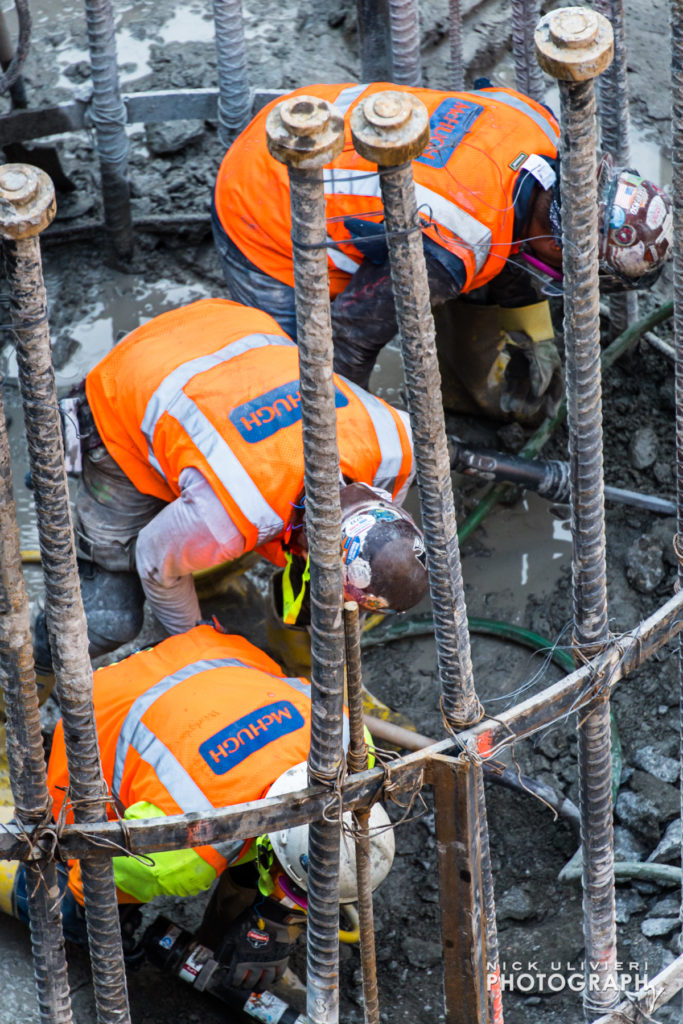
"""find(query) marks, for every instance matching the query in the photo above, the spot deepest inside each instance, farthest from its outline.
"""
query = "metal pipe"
(456, 65)
(374, 40)
(305, 133)
(108, 117)
(389, 129)
(528, 74)
(234, 101)
(405, 42)
(677, 193)
(25, 752)
(357, 759)
(29, 194)
(575, 45)
(615, 134)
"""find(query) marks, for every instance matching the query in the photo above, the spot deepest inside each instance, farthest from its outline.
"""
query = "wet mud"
(516, 566)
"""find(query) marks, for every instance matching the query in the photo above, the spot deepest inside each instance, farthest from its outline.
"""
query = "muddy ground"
(516, 567)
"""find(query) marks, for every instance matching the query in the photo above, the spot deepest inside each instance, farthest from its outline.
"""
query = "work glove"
(256, 947)
(532, 386)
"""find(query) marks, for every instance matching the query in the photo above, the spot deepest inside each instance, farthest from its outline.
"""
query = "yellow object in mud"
(534, 320)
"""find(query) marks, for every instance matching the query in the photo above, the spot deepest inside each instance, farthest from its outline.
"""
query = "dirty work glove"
(532, 387)
(257, 945)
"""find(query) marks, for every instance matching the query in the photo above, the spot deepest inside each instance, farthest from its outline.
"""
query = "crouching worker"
(203, 720)
(192, 456)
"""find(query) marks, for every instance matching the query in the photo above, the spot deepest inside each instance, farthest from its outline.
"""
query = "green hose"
(621, 344)
(423, 625)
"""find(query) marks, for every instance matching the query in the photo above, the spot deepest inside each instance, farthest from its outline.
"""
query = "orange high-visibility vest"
(464, 181)
(202, 720)
(215, 385)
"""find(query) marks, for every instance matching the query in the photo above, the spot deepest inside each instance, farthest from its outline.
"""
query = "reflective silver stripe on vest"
(343, 181)
(348, 96)
(543, 122)
(340, 260)
(388, 437)
(169, 397)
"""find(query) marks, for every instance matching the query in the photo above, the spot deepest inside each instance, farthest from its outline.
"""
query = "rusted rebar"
(25, 754)
(234, 100)
(677, 190)
(357, 760)
(389, 129)
(108, 117)
(405, 42)
(27, 194)
(575, 45)
(615, 134)
(528, 74)
(306, 133)
(456, 65)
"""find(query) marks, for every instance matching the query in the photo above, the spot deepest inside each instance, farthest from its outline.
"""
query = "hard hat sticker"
(350, 549)
(656, 212)
(359, 574)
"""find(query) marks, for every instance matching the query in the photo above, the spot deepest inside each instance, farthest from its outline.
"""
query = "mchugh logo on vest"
(234, 742)
(263, 416)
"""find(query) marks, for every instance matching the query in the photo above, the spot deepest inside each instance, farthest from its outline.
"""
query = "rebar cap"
(305, 131)
(27, 201)
(574, 44)
(390, 128)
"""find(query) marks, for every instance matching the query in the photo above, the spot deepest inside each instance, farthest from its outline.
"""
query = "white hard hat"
(290, 845)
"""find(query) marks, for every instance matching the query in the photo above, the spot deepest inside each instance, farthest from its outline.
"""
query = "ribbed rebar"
(65, 616)
(306, 133)
(405, 42)
(584, 416)
(357, 760)
(528, 75)
(677, 189)
(495, 997)
(456, 65)
(234, 101)
(374, 40)
(13, 59)
(25, 754)
(615, 134)
(108, 116)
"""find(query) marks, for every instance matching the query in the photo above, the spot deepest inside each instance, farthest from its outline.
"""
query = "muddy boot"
(235, 892)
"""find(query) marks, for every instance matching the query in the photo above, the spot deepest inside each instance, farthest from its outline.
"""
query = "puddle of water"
(186, 24)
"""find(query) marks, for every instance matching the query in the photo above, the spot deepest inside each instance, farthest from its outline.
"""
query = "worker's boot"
(236, 890)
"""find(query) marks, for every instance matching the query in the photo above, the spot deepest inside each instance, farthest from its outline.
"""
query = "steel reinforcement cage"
(574, 45)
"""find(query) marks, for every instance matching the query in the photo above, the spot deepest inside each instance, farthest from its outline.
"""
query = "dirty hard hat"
(290, 845)
(383, 552)
(635, 228)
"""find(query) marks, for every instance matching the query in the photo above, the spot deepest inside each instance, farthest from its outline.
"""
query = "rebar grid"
(65, 615)
(357, 759)
(108, 115)
(615, 133)
(234, 100)
(677, 196)
(584, 416)
(323, 526)
(456, 64)
(528, 75)
(423, 386)
(25, 755)
(405, 42)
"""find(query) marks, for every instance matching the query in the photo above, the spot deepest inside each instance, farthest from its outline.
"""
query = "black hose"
(23, 43)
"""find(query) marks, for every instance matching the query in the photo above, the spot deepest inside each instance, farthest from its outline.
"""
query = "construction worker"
(203, 720)
(488, 198)
(193, 456)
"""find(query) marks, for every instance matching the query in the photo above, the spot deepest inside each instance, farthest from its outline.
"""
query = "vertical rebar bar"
(528, 74)
(357, 760)
(64, 607)
(306, 133)
(615, 134)
(575, 45)
(405, 42)
(234, 101)
(456, 64)
(389, 129)
(25, 753)
(374, 40)
(108, 116)
(677, 189)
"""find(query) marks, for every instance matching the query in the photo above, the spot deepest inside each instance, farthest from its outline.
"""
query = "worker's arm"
(191, 533)
(364, 318)
(168, 873)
